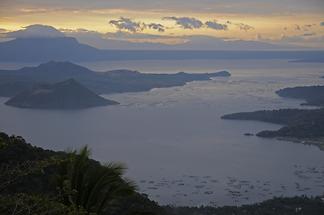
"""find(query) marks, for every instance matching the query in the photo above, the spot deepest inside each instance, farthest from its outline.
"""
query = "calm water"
(173, 141)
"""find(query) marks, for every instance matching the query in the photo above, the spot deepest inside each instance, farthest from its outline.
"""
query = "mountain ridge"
(42, 49)
(13, 82)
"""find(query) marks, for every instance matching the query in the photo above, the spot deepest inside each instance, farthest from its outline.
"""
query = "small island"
(68, 94)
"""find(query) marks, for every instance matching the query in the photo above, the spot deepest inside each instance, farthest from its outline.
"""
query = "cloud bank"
(186, 22)
(156, 26)
(128, 39)
(241, 26)
(194, 23)
(216, 26)
(127, 24)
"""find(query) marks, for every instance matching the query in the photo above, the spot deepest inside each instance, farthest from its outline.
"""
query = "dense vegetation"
(38, 181)
(313, 95)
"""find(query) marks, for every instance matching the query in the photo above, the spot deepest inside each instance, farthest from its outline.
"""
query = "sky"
(284, 22)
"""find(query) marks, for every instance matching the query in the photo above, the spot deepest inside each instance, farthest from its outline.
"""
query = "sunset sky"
(299, 22)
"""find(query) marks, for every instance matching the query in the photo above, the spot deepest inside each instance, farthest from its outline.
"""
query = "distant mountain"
(13, 82)
(64, 95)
(42, 49)
(45, 48)
(194, 42)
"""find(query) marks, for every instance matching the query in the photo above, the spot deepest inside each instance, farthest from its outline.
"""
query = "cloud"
(306, 27)
(193, 23)
(186, 22)
(216, 26)
(156, 26)
(36, 31)
(127, 24)
(241, 26)
(322, 24)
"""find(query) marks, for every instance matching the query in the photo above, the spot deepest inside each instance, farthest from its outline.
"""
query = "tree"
(96, 188)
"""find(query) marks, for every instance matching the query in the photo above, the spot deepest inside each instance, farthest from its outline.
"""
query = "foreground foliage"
(34, 181)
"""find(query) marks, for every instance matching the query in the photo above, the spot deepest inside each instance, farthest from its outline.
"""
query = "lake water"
(173, 141)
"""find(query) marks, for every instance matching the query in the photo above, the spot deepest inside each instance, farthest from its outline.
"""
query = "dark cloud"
(127, 24)
(322, 24)
(216, 26)
(156, 26)
(193, 23)
(36, 31)
(186, 22)
(297, 27)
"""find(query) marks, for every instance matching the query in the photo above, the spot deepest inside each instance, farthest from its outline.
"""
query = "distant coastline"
(68, 48)
(301, 126)
(13, 82)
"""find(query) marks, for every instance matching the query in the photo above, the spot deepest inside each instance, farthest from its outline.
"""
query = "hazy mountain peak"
(65, 67)
(36, 31)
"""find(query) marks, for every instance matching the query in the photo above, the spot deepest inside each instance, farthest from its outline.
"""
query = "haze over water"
(177, 148)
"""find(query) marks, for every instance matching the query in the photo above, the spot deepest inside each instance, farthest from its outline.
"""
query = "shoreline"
(318, 142)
